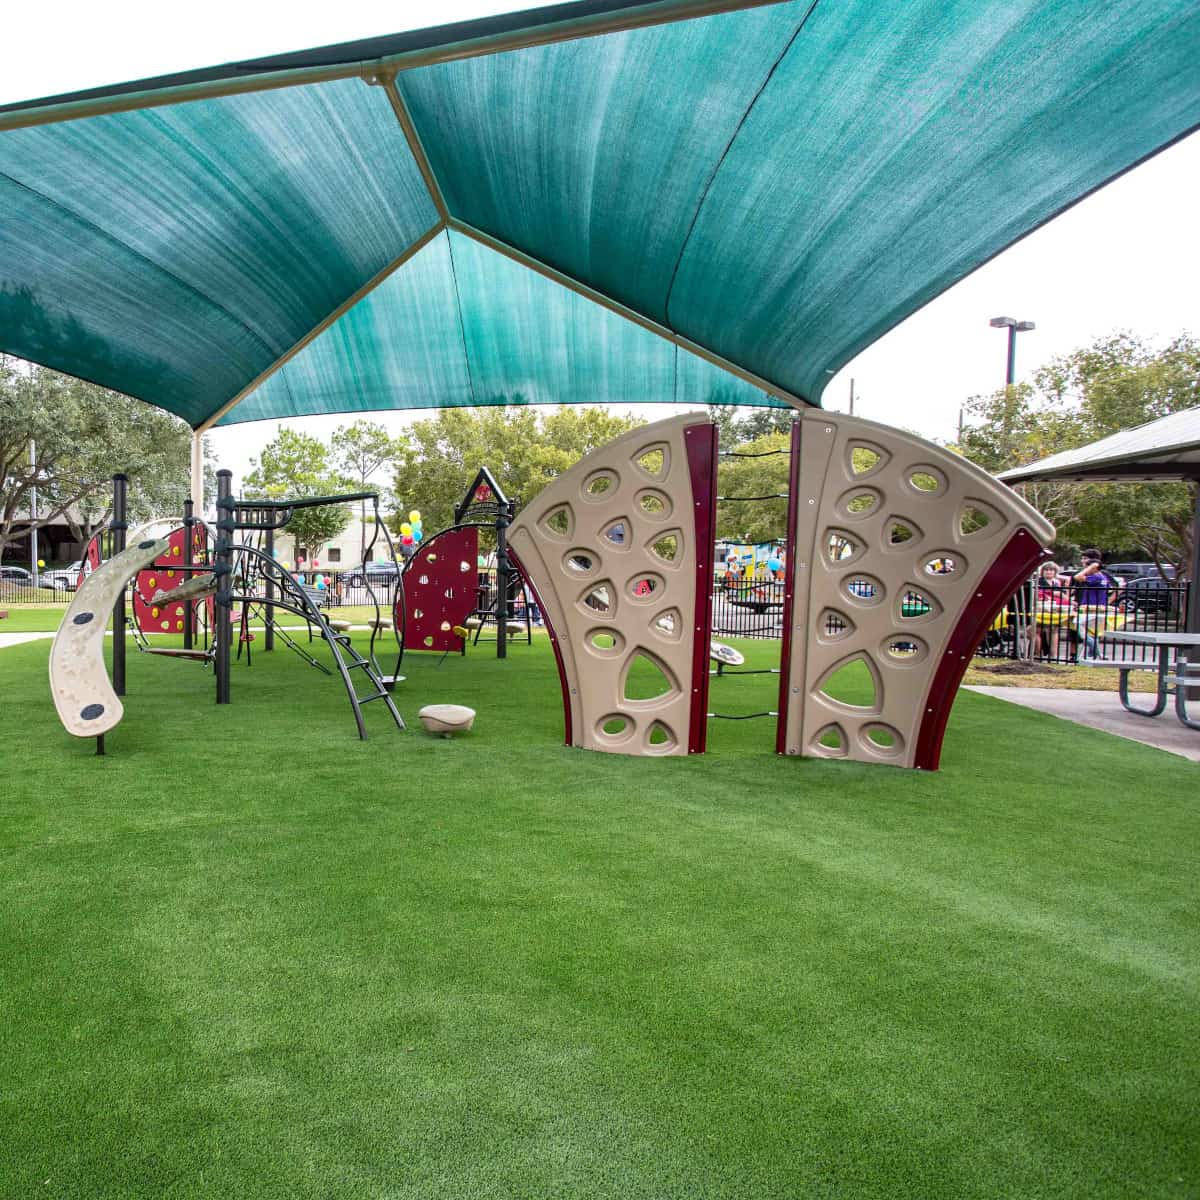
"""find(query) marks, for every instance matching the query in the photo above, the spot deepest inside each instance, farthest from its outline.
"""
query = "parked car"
(1140, 570)
(373, 573)
(63, 579)
(18, 577)
(1145, 589)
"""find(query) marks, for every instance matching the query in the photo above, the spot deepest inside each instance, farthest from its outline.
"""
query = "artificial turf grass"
(496, 966)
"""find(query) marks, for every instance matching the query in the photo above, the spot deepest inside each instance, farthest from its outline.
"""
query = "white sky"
(1126, 258)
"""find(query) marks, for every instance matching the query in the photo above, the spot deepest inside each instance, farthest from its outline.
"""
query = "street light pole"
(1014, 327)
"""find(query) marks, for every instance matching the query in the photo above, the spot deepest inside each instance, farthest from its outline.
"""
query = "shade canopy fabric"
(1166, 449)
(606, 201)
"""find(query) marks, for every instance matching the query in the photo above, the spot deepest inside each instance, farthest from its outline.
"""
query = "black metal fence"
(749, 608)
(1063, 622)
(1059, 622)
(48, 592)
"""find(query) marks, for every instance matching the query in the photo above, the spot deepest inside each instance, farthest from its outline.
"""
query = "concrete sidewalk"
(15, 639)
(1103, 711)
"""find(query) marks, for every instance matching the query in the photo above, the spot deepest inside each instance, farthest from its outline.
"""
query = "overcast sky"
(1126, 258)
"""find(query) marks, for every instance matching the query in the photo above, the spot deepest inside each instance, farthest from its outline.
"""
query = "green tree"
(437, 458)
(297, 465)
(759, 520)
(1118, 382)
(82, 434)
(737, 424)
(359, 451)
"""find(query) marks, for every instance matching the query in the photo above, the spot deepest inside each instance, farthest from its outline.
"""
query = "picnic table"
(1186, 674)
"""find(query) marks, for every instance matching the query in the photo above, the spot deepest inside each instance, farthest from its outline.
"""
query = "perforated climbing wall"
(439, 590)
(900, 554)
(619, 552)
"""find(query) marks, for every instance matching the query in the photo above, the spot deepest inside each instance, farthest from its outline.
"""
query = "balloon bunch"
(410, 531)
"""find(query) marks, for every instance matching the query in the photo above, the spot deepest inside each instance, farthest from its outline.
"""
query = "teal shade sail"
(459, 324)
(175, 253)
(772, 187)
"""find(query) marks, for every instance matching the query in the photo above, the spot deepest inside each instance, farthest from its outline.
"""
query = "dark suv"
(372, 573)
(1145, 589)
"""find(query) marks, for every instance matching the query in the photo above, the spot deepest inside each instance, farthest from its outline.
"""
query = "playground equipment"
(445, 600)
(898, 556)
(87, 702)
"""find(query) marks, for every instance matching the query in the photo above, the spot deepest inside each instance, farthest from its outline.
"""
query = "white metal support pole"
(33, 537)
(197, 473)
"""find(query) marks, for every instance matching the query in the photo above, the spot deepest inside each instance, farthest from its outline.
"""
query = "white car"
(63, 579)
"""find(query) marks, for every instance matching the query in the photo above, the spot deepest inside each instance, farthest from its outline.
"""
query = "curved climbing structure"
(618, 551)
(83, 695)
(901, 553)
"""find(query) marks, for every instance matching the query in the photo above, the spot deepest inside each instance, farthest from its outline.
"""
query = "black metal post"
(223, 570)
(1193, 608)
(120, 523)
(189, 612)
(269, 636)
(504, 516)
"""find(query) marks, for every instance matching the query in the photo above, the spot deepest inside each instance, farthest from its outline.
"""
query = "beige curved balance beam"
(79, 683)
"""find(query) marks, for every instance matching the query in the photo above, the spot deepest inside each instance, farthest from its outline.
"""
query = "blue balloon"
(774, 564)
(417, 535)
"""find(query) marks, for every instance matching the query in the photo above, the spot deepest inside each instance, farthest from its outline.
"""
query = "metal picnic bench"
(1176, 676)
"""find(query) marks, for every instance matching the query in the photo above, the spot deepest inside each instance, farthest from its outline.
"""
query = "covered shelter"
(678, 201)
(1162, 451)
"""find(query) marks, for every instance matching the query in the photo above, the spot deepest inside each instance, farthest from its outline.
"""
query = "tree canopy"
(82, 435)
(297, 464)
(438, 457)
(1118, 382)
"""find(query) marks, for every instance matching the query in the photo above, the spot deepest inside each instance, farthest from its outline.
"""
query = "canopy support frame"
(159, 93)
(630, 314)
(324, 324)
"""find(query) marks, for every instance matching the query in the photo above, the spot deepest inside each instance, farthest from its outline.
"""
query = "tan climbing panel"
(611, 549)
(896, 544)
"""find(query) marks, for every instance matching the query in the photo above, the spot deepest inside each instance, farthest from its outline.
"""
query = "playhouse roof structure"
(1165, 449)
(603, 201)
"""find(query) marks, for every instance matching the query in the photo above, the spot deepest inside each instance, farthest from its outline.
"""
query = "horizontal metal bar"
(243, 77)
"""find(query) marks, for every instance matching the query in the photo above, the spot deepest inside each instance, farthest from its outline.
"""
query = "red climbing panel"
(439, 589)
(167, 574)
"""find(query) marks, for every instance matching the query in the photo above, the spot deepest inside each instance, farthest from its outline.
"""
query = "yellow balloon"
(41, 562)
(406, 529)
(415, 515)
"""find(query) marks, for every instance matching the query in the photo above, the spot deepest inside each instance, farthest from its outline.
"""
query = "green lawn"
(33, 619)
(247, 955)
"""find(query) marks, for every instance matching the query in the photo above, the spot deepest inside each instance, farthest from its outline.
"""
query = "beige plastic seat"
(340, 626)
(446, 718)
(727, 655)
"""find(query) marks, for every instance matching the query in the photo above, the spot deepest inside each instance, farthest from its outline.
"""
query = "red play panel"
(439, 589)
(167, 574)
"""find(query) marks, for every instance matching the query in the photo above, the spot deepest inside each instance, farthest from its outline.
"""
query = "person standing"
(1095, 591)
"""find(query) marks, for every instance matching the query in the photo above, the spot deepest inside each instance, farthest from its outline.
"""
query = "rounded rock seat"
(339, 626)
(446, 718)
